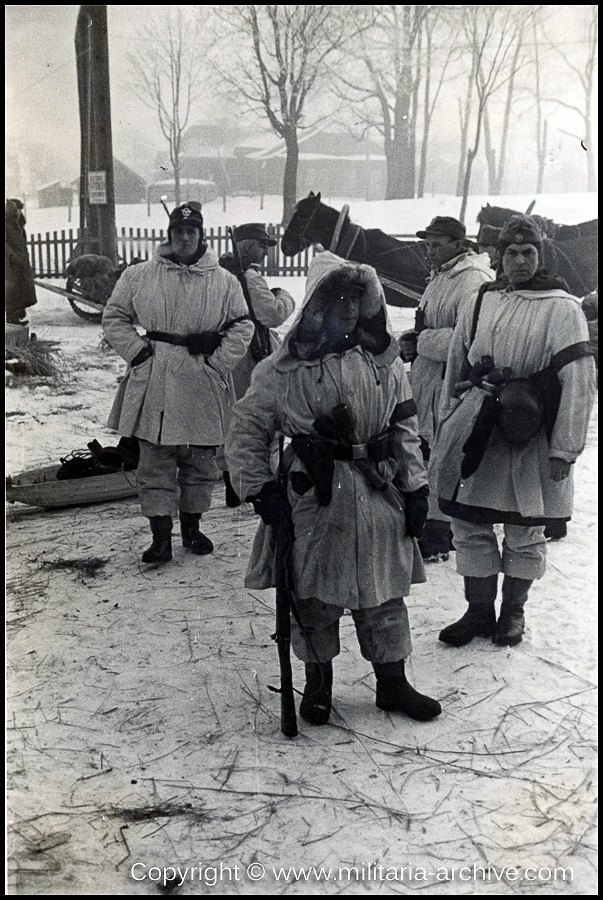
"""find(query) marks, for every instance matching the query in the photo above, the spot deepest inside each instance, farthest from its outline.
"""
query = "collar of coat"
(207, 259)
(468, 259)
(288, 361)
(542, 280)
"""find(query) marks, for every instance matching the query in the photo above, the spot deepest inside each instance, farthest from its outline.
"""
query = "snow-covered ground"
(392, 216)
(142, 733)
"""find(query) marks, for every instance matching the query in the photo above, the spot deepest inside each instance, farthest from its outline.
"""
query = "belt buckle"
(359, 451)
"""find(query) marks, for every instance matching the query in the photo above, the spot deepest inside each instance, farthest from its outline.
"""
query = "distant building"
(335, 163)
(240, 163)
(129, 186)
(190, 189)
(54, 194)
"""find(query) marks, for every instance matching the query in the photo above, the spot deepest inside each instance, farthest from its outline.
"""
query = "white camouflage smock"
(523, 330)
(175, 398)
(355, 552)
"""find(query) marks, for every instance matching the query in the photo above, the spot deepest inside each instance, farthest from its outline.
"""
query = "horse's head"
(296, 237)
(495, 215)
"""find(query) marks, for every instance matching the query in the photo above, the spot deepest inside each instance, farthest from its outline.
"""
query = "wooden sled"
(40, 487)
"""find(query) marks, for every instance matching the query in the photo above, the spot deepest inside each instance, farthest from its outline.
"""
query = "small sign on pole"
(97, 186)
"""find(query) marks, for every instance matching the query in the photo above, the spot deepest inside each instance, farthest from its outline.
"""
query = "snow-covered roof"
(50, 184)
(169, 182)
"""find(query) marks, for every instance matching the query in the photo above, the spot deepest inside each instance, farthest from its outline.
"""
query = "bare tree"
(167, 70)
(384, 92)
(496, 166)
(492, 32)
(541, 120)
(282, 55)
(437, 23)
(465, 116)
(585, 72)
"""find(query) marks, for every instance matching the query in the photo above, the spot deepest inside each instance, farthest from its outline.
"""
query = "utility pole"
(97, 188)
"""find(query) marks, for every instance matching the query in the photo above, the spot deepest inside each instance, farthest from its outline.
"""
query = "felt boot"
(315, 706)
(395, 694)
(511, 623)
(160, 550)
(192, 538)
(480, 618)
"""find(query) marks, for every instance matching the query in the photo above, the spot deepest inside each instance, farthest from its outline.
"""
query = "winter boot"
(434, 543)
(232, 498)
(160, 550)
(480, 618)
(192, 538)
(395, 694)
(315, 706)
(511, 623)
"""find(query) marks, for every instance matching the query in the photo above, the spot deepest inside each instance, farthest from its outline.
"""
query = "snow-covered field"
(142, 733)
(393, 216)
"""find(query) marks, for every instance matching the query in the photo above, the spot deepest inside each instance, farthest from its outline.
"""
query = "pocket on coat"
(141, 371)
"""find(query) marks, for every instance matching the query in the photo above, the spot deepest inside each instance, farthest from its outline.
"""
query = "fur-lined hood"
(308, 340)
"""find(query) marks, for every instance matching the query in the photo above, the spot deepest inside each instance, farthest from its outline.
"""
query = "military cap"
(255, 231)
(447, 226)
(189, 214)
(520, 230)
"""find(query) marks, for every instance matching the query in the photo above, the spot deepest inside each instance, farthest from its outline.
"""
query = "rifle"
(260, 343)
(282, 636)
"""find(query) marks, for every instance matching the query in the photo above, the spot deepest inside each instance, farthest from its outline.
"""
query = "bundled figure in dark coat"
(19, 287)
(516, 402)
(338, 390)
(177, 393)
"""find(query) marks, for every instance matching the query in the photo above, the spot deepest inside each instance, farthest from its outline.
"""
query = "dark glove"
(204, 343)
(408, 346)
(417, 506)
(145, 353)
(420, 321)
(272, 506)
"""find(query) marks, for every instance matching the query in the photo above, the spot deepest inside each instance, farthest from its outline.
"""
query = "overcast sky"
(41, 91)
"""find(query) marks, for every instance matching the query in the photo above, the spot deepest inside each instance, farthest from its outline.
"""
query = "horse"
(568, 250)
(402, 266)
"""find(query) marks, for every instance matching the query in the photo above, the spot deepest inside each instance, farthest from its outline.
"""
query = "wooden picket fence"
(50, 252)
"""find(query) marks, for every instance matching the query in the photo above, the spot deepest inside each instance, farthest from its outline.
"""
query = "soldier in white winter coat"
(517, 397)
(269, 308)
(457, 273)
(355, 546)
(177, 394)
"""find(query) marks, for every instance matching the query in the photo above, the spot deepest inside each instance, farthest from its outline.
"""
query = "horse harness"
(344, 251)
(355, 233)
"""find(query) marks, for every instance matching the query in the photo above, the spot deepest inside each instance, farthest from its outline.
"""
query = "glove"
(145, 353)
(417, 507)
(204, 343)
(408, 346)
(558, 468)
(272, 506)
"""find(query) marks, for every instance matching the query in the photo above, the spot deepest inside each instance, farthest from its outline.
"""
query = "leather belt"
(180, 340)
